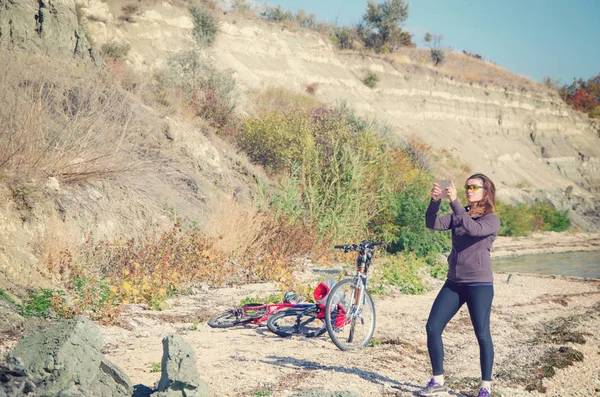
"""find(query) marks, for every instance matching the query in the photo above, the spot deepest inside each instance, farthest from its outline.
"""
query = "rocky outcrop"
(66, 359)
(48, 27)
(180, 376)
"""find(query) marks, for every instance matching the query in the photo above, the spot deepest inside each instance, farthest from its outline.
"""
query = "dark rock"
(66, 359)
(14, 381)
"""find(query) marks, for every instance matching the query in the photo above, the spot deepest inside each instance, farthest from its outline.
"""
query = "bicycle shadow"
(374, 377)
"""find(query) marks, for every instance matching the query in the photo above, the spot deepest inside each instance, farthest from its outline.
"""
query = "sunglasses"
(473, 188)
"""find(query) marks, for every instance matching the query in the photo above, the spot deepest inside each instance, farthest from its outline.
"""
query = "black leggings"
(449, 300)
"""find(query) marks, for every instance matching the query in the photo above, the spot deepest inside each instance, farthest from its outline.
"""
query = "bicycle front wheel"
(239, 316)
(350, 315)
(301, 322)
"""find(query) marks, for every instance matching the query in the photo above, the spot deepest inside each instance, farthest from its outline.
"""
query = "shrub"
(115, 50)
(58, 120)
(403, 271)
(409, 208)
(278, 139)
(583, 95)
(129, 11)
(371, 79)
(155, 367)
(438, 56)
(522, 219)
(515, 220)
(476, 56)
(343, 37)
(312, 88)
(277, 14)
(207, 90)
(205, 26)
(547, 218)
(41, 303)
(339, 175)
(381, 29)
(439, 271)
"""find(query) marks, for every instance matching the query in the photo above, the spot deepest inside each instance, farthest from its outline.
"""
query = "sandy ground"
(251, 361)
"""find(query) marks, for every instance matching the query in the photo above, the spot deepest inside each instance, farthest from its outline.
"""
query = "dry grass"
(277, 98)
(61, 120)
(457, 66)
(243, 230)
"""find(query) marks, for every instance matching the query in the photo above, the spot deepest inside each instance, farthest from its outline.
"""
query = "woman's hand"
(436, 192)
(451, 192)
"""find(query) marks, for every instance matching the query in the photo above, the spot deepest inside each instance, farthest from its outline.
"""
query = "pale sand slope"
(242, 361)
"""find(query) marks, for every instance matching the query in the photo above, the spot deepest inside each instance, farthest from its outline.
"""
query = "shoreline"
(545, 243)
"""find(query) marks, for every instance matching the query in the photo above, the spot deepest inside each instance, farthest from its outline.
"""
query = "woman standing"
(470, 277)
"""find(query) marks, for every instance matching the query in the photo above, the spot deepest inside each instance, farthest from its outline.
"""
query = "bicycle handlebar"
(358, 247)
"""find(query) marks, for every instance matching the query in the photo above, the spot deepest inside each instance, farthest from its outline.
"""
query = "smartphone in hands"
(443, 183)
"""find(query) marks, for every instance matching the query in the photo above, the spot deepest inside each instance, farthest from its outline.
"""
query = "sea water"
(578, 264)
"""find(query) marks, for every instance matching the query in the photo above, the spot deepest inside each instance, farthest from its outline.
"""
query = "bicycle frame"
(272, 308)
(355, 302)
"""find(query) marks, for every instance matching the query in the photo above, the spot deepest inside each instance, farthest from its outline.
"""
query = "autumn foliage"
(583, 95)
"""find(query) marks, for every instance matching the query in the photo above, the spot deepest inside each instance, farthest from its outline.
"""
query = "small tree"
(205, 26)
(438, 56)
(371, 79)
(381, 26)
(344, 37)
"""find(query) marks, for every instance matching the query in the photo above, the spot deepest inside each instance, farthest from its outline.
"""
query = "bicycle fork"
(358, 300)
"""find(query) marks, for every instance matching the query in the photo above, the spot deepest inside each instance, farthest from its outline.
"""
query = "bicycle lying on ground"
(351, 300)
(284, 319)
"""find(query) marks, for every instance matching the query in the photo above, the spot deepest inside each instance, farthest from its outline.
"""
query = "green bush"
(547, 218)
(381, 27)
(343, 37)
(438, 56)
(439, 271)
(403, 271)
(409, 209)
(341, 176)
(195, 78)
(515, 220)
(40, 303)
(277, 14)
(278, 139)
(205, 26)
(115, 50)
(522, 219)
(371, 79)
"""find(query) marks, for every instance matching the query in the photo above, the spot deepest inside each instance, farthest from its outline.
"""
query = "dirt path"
(251, 361)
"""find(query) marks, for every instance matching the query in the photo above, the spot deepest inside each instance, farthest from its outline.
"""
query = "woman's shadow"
(374, 377)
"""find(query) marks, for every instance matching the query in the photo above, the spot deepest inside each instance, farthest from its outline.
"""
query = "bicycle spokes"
(353, 320)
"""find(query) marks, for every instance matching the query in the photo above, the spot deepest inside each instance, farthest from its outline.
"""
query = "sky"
(533, 38)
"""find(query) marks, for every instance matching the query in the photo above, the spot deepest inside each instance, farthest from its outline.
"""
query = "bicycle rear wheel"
(239, 316)
(300, 322)
(350, 321)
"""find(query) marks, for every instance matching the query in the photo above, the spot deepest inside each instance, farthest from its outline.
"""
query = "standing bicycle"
(350, 311)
